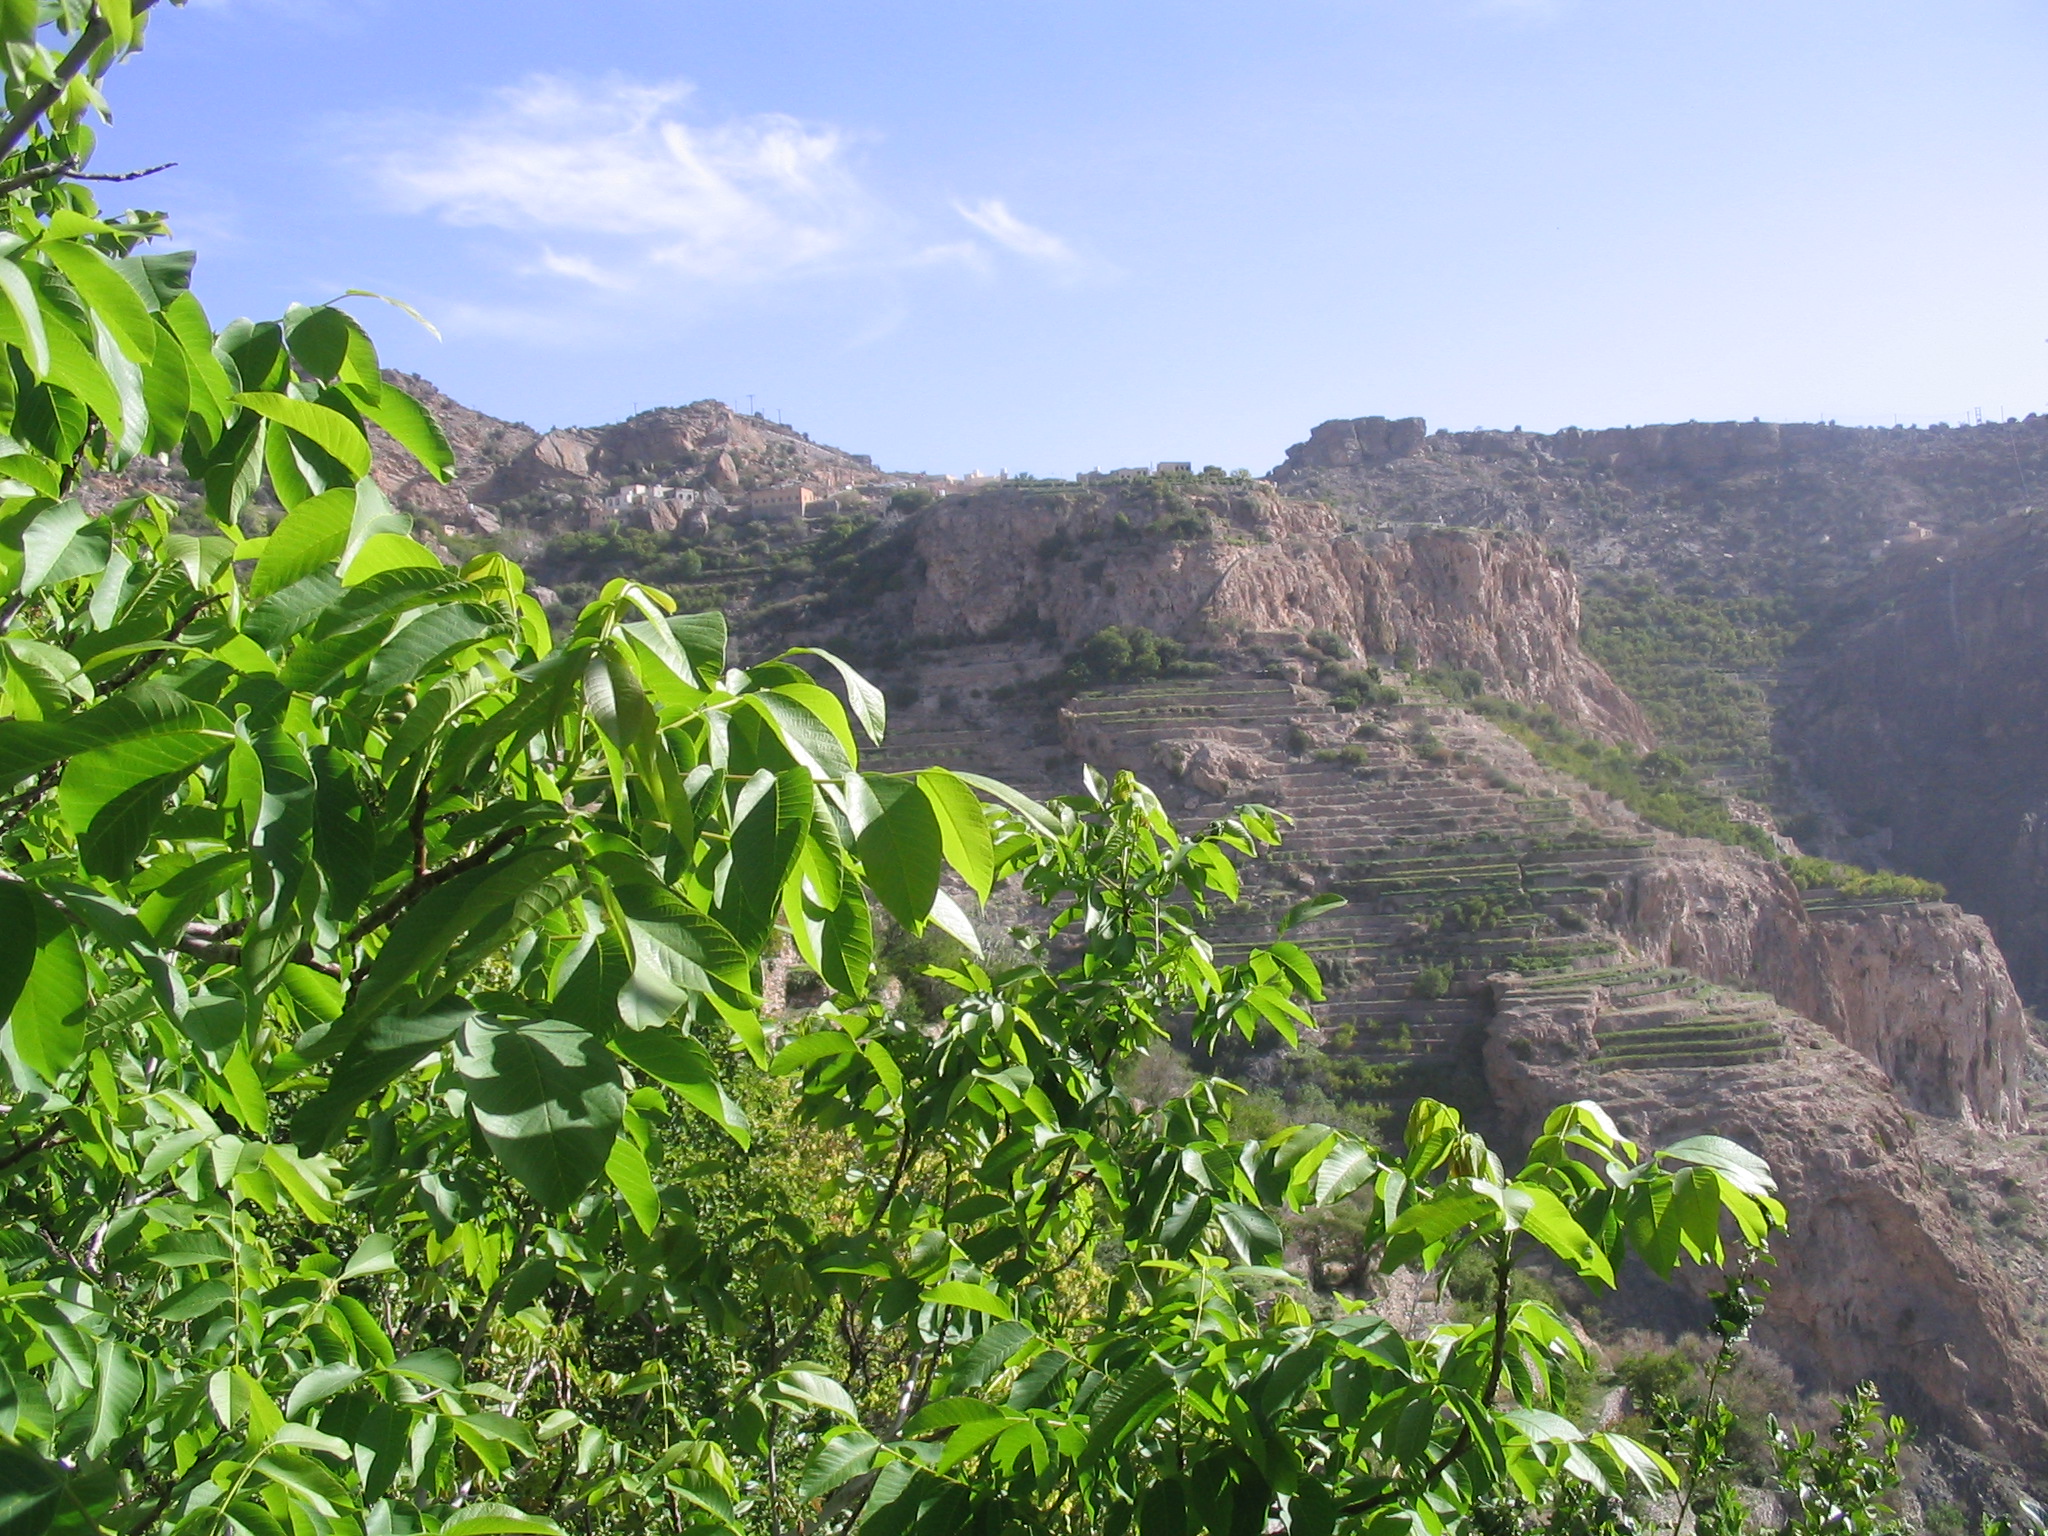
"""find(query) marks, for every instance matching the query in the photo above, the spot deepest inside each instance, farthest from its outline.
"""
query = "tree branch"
(168, 165)
(148, 659)
(23, 122)
(43, 1143)
(69, 166)
(425, 880)
(1503, 1273)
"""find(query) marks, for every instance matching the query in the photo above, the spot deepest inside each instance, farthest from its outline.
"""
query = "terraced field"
(1453, 871)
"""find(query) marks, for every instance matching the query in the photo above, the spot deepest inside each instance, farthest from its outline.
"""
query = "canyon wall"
(1499, 604)
(1922, 716)
(1876, 1280)
(1919, 989)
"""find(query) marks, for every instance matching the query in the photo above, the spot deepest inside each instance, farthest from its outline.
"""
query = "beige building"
(780, 501)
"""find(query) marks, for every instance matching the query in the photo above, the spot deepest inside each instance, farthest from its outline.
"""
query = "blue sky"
(1049, 235)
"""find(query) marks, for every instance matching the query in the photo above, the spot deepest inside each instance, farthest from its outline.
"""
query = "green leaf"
(48, 1019)
(900, 849)
(810, 723)
(108, 294)
(386, 1049)
(548, 1099)
(626, 1167)
(1251, 1233)
(47, 544)
(963, 829)
(488, 1519)
(252, 1519)
(672, 1057)
(972, 1297)
(383, 552)
(376, 1254)
(1308, 911)
(865, 699)
(144, 710)
(28, 331)
(1444, 1213)
(433, 636)
(1746, 1171)
(319, 1384)
(298, 1473)
(806, 1049)
(313, 534)
(318, 339)
(677, 953)
(29, 1486)
(814, 1390)
(410, 426)
(772, 817)
(1547, 1220)
(114, 798)
(838, 1460)
(196, 1301)
(1123, 1400)
(18, 916)
(117, 1388)
(328, 430)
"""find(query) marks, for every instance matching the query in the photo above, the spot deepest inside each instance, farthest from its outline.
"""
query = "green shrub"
(1431, 750)
(1330, 643)
(1119, 654)
(1808, 873)
(1350, 757)
(1690, 660)
(1356, 687)
(1455, 683)
(1657, 786)
(1432, 982)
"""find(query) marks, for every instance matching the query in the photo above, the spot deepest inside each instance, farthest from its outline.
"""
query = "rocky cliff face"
(1922, 714)
(1729, 506)
(1920, 990)
(1499, 604)
(1877, 1280)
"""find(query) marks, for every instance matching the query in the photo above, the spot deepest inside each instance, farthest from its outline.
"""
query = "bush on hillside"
(1810, 873)
(1123, 654)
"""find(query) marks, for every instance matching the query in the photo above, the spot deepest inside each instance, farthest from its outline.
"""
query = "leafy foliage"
(1810, 873)
(397, 1141)
(1658, 786)
(1122, 654)
(1693, 662)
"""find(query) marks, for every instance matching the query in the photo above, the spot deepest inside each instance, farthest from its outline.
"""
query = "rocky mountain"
(1734, 508)
(1838, 620)
(1461, 663)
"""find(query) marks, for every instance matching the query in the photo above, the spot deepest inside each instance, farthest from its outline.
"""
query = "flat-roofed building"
(780, 501)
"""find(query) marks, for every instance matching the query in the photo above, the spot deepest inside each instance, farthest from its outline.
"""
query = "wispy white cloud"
(618, 187)
(614, 184)
(993, 218)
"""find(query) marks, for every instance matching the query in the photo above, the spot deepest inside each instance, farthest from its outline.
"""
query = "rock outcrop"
(1499, 604)
(1919, 989)
(1876, 1280)
(1922, 715)
(1728, 506)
